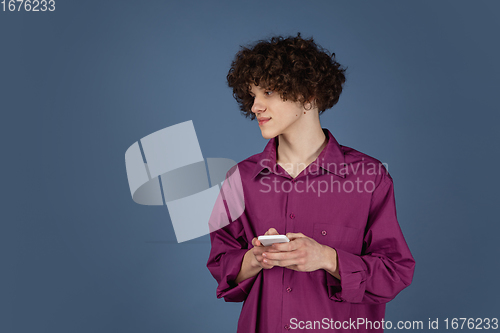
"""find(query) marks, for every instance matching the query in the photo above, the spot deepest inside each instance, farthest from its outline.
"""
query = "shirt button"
(288, 289)
(287, 327)
(323, 232)
(292, 215)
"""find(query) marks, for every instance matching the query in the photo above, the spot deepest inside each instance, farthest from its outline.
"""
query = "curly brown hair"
(296, 68)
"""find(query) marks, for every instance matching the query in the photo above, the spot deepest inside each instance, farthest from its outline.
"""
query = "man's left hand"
(303, 254)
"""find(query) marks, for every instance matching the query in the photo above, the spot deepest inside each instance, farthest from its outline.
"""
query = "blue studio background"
(81, 84)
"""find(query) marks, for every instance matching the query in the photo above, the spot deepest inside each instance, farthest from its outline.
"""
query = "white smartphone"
(269, 240)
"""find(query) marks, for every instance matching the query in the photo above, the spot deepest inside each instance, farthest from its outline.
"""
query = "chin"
(268, 134)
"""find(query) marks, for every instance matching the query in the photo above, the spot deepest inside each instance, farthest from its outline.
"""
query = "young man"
(347, 256)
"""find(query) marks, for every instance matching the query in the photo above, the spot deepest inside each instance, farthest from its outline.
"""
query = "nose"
(258, 106)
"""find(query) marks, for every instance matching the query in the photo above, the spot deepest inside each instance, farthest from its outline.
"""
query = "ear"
(310, 104)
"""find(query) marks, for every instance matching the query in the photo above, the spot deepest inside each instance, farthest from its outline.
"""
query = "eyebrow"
(259, 88)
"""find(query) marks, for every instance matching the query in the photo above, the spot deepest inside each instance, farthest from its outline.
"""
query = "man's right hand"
(258, 249)
(253, 260)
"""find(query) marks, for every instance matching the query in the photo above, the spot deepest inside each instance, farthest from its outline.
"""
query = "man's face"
(275, 116)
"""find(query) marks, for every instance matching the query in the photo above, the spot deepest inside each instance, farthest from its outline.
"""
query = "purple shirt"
(345, 200)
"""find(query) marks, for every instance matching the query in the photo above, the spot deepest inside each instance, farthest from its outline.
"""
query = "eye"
(268, 92)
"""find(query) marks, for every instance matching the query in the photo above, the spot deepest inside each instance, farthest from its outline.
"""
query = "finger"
(260, 260)
(270, 249)
(266, 266)
(272, 231)
(287, 247)
(293, 267)
(281, 255)
(292, 235)
(281, 263)
(258, 250)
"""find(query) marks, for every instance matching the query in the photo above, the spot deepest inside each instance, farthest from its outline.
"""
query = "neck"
(301, 147)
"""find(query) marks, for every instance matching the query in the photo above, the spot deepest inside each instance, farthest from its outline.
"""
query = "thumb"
(256, 242)
(272, 231)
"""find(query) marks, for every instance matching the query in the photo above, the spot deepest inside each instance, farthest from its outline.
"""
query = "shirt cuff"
(228, 288)
(351, 287)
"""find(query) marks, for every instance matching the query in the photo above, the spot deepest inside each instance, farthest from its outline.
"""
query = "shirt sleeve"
(225, 261)
(229, 245)
(385, 266)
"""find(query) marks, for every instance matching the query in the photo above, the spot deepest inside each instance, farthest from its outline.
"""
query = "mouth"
(263, 120)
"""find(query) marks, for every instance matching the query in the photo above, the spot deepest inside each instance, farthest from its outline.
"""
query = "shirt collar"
(331, 158)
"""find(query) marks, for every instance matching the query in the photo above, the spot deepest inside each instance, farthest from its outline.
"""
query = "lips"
(263, 120)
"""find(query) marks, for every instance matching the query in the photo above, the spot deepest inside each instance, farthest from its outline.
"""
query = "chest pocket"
(339, 237)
